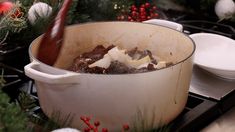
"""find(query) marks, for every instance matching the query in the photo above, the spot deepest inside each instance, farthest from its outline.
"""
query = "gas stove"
(214, 95)
(209, 96)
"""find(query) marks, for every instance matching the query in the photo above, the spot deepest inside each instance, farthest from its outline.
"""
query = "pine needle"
(12, 119)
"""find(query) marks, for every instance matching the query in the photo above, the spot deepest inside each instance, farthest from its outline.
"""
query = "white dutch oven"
(116, 99)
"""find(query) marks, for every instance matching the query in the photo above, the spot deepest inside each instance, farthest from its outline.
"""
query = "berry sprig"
(95, 127)
(144, 12)
(90, 127)
(125, 127)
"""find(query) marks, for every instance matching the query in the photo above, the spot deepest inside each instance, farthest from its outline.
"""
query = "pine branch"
(12, 119)
(198, 5)
(20, 31)
(26, 101)
(101, 10)
(41, 121)
(73, 14)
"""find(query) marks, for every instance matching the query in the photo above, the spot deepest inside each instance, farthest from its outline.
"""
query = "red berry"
(156, 14)
(82, 118)
(147, 5)
(97, 123)
(137, 14)
(154, 8)
(87, 118)
(142, 17)
(143, 13)
(134, 9)
(143, 6)
(104, 130)
(118, 18)
(129, 18)
(142, 9)
(133, 13)
(87, 129)
(126, 127)
(148, 17)
(91, 127)
(133, 6)
(122, 17)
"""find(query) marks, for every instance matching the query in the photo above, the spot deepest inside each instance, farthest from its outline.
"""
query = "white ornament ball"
(39, 9)
(224, 9)
(66, 130)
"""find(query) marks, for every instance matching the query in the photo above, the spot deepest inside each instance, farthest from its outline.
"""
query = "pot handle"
(50, 75)
(166, 23)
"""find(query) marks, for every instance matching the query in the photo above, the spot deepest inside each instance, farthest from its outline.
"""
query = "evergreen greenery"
(205, 7)
(12, 119)
(41, 121)
(101, 10)
(19, 32)
(18, 117)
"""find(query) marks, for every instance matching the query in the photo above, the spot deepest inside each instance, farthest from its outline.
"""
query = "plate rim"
(213, 69)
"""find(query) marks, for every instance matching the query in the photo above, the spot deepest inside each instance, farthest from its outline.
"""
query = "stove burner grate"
(195, 26)
(197, 114)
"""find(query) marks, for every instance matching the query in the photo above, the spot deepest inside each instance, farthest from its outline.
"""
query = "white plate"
(215, 53)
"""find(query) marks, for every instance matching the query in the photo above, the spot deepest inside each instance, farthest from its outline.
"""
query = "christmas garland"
(22, 21)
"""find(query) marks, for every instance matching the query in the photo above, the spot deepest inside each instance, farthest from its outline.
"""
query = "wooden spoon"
(52, 40)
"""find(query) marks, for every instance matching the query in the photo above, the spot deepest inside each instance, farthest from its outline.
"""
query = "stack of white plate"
(215, 54)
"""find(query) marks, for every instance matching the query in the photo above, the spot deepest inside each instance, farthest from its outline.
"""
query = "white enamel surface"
(215, 53)
(170, 24)
(115, 99)
(49, 74)
(66, 130)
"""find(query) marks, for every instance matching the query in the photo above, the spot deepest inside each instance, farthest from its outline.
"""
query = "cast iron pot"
(157, 96)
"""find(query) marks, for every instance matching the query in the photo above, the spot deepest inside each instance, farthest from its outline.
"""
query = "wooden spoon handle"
(52, 40)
